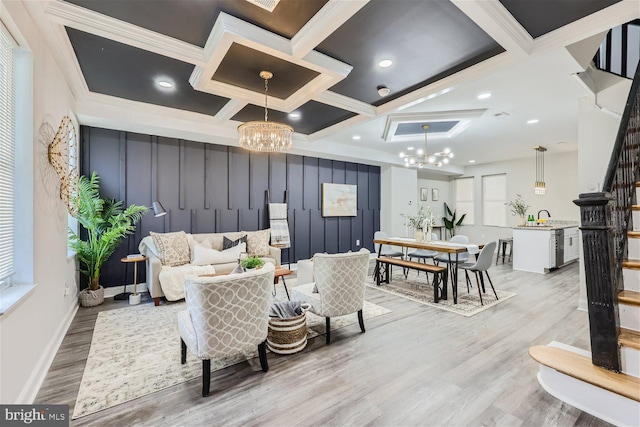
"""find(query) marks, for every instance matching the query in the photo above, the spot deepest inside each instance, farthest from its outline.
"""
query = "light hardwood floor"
(415, 366)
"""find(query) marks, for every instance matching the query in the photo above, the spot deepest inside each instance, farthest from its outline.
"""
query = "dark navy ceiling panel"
(423, 38)
(116, 69)
(192, 20)
(542, 16)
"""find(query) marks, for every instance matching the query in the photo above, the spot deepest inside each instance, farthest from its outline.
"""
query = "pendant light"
(540, 187)
(265, 135)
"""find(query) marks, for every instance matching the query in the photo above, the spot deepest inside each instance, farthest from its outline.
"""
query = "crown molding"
(92, 22)
(229, 110)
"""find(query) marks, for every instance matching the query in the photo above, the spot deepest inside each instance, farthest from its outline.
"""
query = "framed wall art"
(339, 199)
(435, 194)
(424, 194)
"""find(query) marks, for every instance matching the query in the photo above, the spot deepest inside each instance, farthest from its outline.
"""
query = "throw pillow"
(173, 248)
(258, 242)
(193, 243)
(228, 243)
(206, 256)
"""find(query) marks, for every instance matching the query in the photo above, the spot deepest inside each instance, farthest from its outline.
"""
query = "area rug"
(135, 351)
(415, 288)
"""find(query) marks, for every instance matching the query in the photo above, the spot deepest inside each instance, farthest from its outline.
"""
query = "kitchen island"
(544, 248)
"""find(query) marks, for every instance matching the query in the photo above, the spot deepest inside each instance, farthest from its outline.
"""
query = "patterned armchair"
(225, 315)
(340, 280)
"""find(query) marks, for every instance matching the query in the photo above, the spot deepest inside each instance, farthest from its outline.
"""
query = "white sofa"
(154, 265)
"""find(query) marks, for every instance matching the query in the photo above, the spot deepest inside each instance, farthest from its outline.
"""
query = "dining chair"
(482, 264)
(424, 254)
(462, 258)
(387, 250)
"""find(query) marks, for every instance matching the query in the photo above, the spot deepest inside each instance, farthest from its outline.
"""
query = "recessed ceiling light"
(561, 142)
(294, 115)
(409, 148)
(356, 137)
(472, 161)
(385, 63)
(532, 121)
(484, 95)
(165, 84)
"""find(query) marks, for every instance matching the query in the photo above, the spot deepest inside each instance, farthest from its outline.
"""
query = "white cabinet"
(533, 249)
(571, 237)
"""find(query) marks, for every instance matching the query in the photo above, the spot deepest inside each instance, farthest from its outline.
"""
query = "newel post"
(602, 277)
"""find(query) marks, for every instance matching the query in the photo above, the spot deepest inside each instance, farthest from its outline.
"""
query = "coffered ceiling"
(325, 56)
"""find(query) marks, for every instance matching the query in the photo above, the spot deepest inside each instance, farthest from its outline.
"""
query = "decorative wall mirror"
(62, 155)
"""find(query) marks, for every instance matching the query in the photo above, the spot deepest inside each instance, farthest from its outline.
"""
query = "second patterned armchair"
(340, 281)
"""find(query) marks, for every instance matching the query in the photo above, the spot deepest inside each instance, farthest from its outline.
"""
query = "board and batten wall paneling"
(207, 188)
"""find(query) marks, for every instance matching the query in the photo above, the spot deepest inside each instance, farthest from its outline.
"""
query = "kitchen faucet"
(544, 210)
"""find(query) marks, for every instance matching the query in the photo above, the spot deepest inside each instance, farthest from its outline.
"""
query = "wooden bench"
(439, 273)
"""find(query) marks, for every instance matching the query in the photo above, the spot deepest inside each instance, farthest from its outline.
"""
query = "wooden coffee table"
(279, 273)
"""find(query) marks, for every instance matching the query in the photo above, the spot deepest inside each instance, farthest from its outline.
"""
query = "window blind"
(464, 200)
(494, 198)
(7, 153)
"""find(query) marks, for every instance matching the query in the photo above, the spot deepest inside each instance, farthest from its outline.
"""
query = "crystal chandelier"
(265, 136)
(423, 158)
(540, 188)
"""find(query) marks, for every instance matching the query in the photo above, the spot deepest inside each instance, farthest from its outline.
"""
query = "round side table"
(135, 297)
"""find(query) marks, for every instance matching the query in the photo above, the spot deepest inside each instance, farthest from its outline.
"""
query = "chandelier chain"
(266, 110)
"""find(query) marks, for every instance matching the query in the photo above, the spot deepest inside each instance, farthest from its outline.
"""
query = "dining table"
(453, 250)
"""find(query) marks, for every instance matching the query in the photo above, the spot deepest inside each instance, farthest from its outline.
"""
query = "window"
(464, 200)
(7, 154)
(494, 199)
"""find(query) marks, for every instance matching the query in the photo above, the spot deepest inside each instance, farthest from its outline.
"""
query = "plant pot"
(89, 298)
(522, 221)
(418, 235)
(134, 299)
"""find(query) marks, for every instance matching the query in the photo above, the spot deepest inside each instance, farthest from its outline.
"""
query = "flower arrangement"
(518, 206)
(422, 220)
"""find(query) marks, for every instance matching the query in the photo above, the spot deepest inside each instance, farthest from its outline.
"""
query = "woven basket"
(89, 298)
(288, 336)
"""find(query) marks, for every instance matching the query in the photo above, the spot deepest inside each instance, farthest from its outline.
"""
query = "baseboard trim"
(31, 388)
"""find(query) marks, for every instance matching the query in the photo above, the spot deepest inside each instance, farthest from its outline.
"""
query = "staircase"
(606, 382)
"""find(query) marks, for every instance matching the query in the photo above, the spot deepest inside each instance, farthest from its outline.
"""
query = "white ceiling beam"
(495, 20)
(92, 22)
(323, 24)
(229, 110)
(346, 103)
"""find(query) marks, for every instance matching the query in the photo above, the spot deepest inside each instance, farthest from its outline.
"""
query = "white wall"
(398, 195)
(31, 332)
(561, 177)
(444, 187)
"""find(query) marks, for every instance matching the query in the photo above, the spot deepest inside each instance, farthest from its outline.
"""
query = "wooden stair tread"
(580, 367)
(631, 264)
(629, 297)
(635, 207)
(637, 184)
(629, 338)
(633, 234)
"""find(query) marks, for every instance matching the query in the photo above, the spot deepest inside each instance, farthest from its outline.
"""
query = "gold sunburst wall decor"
(62, 155)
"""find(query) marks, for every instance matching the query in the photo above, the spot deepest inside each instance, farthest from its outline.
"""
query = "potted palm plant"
(106, 224)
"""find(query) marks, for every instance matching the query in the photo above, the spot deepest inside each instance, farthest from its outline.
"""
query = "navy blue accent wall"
(209, 188)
